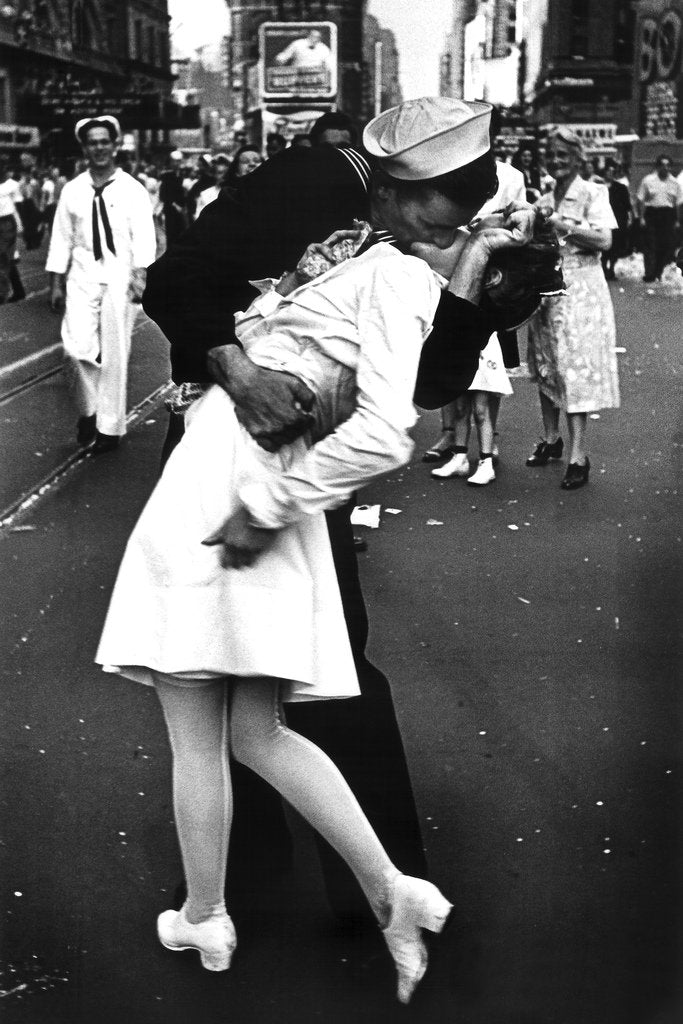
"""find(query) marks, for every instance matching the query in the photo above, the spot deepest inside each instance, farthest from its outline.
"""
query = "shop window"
(80, 26)
(579, 28)
(137, 40)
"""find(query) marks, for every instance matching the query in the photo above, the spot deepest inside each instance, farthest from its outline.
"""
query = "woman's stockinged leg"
(311, 783)
(306, 777)
(196, 718)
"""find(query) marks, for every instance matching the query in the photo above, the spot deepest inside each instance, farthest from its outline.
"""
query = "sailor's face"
(427, 217)
(99, 147)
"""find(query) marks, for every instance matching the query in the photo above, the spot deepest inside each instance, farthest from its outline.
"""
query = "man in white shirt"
(658, 200)
(102, 243)
(10, 226)
(309, 54)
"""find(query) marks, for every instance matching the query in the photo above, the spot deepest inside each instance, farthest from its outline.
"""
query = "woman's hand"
(241, 543)
(320, 256)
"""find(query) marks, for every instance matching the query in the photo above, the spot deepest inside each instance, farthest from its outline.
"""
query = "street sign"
(297, 60)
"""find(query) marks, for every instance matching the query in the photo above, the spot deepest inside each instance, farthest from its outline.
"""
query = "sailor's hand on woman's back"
(241, 543)
(271, 405)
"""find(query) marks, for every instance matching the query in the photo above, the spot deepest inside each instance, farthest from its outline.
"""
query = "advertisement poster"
(298, 60)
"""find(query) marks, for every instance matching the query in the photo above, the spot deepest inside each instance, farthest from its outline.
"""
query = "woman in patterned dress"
(572, 337)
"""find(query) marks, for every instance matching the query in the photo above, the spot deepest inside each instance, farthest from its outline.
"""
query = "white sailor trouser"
(96, 333)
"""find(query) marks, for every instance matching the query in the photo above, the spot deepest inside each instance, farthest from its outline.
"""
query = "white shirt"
(660, 194)
(511, 189)
(371, 316)
(585, 204)
(301, 55)
(10, 193)
(130, 215)
(206, 196)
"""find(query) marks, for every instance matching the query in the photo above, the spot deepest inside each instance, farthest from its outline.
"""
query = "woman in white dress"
(227, 600)
(572, 337)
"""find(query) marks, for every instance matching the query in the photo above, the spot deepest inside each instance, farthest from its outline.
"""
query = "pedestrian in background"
(572, 337)
(102, 242)
(29, 206)
(620, 201)
(482, 400)
(10, 227)
(172, 197)
(658, 201)
(219, 167)
(334, 128)
(246, 159)
(525, 161)
(275, 143)
(205, 178)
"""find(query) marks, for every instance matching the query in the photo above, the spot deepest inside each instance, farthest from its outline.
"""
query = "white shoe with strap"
(457, 466)
(483, 474)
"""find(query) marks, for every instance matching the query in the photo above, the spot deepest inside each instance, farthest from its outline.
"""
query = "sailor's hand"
(240, 542)
(273, 406)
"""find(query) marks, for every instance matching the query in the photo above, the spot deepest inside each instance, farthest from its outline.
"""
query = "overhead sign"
(297, 60)
(659, 69)
(18, 136)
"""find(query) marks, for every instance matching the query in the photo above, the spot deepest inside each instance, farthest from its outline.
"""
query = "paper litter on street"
(366, 515)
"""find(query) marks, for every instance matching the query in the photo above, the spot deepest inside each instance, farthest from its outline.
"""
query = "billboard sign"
(298, 60)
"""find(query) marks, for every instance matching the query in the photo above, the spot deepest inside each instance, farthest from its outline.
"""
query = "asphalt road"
(531, 637)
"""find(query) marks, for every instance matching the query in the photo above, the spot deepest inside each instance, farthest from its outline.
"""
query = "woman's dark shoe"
(105, 443)
(576, 475)
(442, 449)
(544, 451)
(86, 430)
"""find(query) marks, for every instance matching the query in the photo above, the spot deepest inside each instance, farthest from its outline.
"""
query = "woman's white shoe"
(457, 466)
(483, 474)
(415, 904)
(215, 939)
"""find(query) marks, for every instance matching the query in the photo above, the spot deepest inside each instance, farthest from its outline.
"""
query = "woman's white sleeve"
(599, 214)
(396, 305)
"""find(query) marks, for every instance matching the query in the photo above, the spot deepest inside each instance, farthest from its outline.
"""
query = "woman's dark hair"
(530, 272)
(470, 185)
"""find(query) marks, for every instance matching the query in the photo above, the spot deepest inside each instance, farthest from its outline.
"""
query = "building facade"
(61, 60)
(578, 61)
(492, 52)
(381, 84)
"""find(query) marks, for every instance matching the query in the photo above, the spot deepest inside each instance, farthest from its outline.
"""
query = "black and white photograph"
(340, 522)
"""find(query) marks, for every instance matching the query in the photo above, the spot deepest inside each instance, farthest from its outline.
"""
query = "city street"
(531, 639)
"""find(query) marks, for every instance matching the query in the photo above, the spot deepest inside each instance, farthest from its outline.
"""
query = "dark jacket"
(297, 197)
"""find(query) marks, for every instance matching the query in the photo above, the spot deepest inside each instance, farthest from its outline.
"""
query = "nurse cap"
(427, 137)
(105, 120)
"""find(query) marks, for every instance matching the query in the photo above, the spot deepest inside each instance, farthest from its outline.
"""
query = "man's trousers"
(96, 332)
(659, 241)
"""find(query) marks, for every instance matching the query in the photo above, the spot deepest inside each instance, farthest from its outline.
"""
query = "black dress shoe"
(576, 475)
(86, 430)
(545, 451)
(105, 443)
